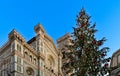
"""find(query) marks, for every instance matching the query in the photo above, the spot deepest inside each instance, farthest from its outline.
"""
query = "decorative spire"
(39, 28)
(15, 35)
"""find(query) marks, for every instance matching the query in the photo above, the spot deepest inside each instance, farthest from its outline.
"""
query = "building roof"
(31, 40)
(63, 37)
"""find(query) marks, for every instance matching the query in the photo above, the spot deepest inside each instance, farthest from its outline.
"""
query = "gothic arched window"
(30, 58)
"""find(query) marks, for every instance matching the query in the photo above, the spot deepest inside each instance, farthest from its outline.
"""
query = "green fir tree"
(86, 57)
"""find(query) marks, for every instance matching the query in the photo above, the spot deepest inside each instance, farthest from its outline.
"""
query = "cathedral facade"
(115, 64)
(37, 57)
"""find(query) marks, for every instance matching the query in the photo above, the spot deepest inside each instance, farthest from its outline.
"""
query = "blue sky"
(58, 17)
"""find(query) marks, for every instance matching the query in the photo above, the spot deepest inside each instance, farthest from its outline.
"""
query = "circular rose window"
(29, 71)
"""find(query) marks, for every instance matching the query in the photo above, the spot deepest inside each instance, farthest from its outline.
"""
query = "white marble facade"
(37, 57)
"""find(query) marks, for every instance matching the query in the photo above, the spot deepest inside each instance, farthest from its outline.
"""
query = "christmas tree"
(86, 57)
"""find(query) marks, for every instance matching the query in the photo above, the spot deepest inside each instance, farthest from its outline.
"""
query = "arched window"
(26, 54)
(34, 60)
(19, 60)
(18, 47)
(30, 58)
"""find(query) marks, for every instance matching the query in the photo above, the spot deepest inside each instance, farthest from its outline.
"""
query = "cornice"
(116, 52)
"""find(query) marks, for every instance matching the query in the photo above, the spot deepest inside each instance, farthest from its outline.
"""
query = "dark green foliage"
(85, 56)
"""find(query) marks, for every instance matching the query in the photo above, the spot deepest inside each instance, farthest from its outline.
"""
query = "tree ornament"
(88, 49)
(81, 36)
(99, 43)
(102, 55)
(106, 65)
(108, 60)
(94, 41)
(82, 25)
